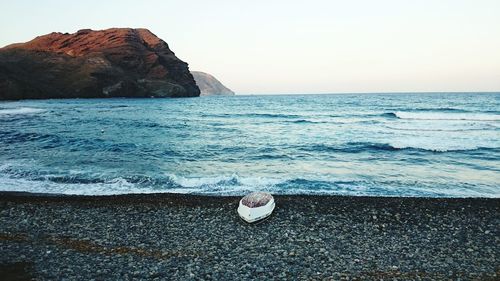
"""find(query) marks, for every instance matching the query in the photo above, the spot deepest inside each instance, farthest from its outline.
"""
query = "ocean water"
(432, 145)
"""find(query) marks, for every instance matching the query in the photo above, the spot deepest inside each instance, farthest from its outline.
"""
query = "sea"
(397, 144)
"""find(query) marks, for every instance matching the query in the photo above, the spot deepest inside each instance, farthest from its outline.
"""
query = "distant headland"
(116, 62)
(209, 85)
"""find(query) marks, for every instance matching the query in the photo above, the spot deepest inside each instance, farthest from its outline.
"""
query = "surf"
(446, 116)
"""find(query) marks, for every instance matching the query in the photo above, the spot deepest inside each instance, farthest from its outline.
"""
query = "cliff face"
(209, 85)
(117, 62)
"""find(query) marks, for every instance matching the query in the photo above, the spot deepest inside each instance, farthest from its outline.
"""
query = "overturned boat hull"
(253, 214)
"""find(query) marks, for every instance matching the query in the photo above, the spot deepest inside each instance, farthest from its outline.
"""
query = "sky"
(291, 47)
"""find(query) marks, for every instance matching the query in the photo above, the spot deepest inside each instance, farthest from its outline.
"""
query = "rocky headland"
(209, 85)
(116, 62)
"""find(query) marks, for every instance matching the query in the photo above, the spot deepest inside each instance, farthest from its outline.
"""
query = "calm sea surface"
(438, 145)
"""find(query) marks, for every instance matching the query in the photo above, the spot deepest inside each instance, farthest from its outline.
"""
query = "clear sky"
(314, 46)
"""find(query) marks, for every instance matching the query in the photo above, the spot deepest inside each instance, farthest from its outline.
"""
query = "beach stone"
(111, 244)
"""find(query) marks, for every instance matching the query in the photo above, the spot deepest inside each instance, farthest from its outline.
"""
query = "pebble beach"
(188, 237)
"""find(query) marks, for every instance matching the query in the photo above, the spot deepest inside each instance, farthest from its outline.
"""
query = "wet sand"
(168, 236)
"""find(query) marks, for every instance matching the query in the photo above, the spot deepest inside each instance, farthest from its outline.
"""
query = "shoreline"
(180, 236)
(163, 195)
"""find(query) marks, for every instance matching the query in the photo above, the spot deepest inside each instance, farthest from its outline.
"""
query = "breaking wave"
(441, 109)
(19, 111)
(223, 185)
(445, 116)
(369, 147)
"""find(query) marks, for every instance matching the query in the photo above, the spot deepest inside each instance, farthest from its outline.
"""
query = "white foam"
(218, 185)
(20, 111)
(447, 116)
(232, 180)
(112, 188)
(432, 147)
(121, 186)
(222, 185)
(231, 184)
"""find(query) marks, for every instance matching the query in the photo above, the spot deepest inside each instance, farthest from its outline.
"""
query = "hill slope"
(209, 85)
(117, 62)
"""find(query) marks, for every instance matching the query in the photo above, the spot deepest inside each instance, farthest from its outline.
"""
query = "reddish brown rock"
(117, 62)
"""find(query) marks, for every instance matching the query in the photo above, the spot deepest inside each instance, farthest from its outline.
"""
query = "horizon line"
(366, 93)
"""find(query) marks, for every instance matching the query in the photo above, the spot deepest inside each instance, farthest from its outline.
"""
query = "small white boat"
(256, 206)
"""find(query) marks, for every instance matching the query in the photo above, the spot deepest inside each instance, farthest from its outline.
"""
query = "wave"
(10, 137)
(441, 109)
(418, 129)
(12, 179)
(351, 147)
(47, 141)
(417, 114)
(444, 116)
(20, 111)
(389, 114)
(359, 147)
(253, 115)
(92, 184)
(26, 171)
(304, 121)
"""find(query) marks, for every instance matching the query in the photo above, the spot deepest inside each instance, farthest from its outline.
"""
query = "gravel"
(187, 237)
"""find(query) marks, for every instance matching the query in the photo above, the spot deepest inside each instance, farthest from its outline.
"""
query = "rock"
(171, 246)
(117, 62)
(209, 85)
